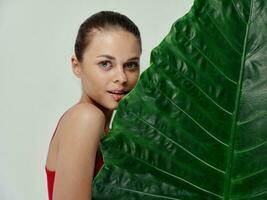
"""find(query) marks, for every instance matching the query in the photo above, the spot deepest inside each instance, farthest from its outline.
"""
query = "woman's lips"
(116, 97)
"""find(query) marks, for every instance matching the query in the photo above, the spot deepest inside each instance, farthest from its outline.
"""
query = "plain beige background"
(36, 82)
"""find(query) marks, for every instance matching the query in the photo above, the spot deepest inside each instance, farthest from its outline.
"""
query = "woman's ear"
(76, 68)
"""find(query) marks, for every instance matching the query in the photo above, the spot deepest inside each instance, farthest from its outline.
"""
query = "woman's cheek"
(136, 78)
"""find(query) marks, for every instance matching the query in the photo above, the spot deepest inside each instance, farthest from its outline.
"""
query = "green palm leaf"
(195, 125)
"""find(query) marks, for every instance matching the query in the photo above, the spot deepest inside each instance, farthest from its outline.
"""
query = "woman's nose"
(120, 75)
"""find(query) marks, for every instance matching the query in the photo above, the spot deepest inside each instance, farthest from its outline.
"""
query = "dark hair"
(100, 21)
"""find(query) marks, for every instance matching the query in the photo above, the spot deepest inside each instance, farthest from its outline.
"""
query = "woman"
(106, 60)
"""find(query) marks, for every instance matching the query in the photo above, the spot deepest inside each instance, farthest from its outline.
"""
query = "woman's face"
(110, 67)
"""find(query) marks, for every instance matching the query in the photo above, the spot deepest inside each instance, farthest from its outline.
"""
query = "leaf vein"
(180, 146)
(176, 177)
(149, 194)
(199, 125)
(245, 150)
(251, 196)
(210, 61)
(259, 115)
(248, 176)
(223, 35)
(204, 93)
(256, 51)
(238, 12)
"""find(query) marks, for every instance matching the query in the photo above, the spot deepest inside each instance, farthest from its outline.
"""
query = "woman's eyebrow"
(113, 58)
(107, 56)
(134, 58)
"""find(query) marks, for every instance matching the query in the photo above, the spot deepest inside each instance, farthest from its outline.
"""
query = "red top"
(51, 174)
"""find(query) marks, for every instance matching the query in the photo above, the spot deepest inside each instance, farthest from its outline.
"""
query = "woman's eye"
(132, 65)
(104, 64)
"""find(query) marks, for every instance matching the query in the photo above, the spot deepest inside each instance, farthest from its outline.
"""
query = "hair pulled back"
(100, 21)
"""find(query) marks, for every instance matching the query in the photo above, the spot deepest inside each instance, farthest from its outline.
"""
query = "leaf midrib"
(228, 180)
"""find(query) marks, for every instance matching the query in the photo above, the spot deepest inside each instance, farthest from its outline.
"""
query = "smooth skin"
(110, 61)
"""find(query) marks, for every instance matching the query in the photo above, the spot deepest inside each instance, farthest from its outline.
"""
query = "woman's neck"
(108, 115)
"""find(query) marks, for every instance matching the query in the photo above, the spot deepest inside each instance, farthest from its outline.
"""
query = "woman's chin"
(114, 106)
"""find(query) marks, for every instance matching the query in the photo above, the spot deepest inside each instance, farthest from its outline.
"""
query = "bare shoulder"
(85, 112)
(82, 119)
(79, 135)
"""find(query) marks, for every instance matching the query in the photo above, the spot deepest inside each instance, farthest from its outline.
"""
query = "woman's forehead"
(115, 43)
